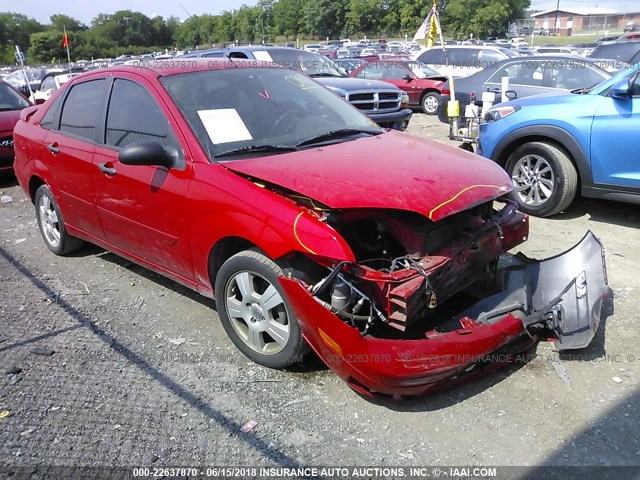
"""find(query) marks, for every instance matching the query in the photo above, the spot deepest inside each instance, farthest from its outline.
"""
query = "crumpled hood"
(347, 84)
(392, 170)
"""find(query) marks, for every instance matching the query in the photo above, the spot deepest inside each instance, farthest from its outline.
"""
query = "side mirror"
(511, 94)
(407, 77)
(620, 89)
(151, 153)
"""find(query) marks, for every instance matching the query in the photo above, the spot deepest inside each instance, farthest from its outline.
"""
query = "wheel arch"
(35, 182)
(222, 250)
(556, 136)
(429, 90)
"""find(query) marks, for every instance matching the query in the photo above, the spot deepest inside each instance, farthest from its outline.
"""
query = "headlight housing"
(499, 112)
(404, 100)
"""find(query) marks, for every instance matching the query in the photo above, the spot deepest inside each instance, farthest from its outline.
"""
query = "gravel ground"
(106, 364)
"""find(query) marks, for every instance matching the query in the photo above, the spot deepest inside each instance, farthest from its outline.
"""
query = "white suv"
(462, 60)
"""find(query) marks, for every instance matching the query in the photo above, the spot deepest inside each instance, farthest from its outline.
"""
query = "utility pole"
(555, 25)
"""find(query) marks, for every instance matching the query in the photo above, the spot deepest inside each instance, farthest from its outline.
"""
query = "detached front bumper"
(558, 298)
(395, 120)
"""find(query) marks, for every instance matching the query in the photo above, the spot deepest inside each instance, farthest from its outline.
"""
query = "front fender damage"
(559, 298)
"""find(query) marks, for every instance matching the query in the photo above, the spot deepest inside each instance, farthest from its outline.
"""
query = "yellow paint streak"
(460, 193)
(295, 233)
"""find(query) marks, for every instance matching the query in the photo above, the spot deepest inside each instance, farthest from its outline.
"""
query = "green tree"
(16, 29)
(125, 28)
(60, 22)
(47, 47)
(481, 17)
(325, 18)
(287, 17)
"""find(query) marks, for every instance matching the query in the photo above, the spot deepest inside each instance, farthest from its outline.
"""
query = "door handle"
(53, 148)
(107, 170)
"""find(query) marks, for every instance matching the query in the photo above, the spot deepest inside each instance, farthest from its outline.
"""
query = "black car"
(527, 76)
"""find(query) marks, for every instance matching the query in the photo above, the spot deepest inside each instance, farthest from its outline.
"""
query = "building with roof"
(568, 21)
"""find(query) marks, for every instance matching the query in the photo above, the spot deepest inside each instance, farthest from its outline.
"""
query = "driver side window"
(134, 116)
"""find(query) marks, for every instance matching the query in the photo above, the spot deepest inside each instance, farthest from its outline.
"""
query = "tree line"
(125, 31)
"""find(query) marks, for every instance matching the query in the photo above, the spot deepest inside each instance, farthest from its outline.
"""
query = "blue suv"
(553, 145)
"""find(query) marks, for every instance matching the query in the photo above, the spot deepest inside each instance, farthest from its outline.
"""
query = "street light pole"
(555, 25)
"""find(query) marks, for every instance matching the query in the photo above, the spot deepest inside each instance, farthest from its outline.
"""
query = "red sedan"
(312, 227)
(422, 84)
(11, 103)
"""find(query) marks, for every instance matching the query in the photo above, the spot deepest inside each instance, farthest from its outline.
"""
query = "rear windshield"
(618, 51)
(10, 99)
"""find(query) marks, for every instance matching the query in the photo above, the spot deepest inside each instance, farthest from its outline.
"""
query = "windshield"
(422, 70)
(245, 108)
(18, 77)
(10, 99)
(307, 62)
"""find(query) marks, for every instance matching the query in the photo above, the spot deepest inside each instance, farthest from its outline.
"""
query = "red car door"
(70, 146)
(144, 209)
(397, 74)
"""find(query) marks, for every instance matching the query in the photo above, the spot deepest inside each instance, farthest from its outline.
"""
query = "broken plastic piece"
(250, 425)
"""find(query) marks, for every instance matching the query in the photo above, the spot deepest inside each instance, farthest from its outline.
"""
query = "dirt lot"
(142, 373)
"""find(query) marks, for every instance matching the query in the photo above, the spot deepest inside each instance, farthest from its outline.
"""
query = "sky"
(86, 10)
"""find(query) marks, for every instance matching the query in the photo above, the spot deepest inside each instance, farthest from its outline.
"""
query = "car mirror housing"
(620, 89)
(511, 94)
(407, 77)
(151, 153)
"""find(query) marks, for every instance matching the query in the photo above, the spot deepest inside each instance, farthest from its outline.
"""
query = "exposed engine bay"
(408, 266)
(414, 277)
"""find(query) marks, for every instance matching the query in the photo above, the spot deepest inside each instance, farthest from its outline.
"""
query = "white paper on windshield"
(224, 125)
(262, 55)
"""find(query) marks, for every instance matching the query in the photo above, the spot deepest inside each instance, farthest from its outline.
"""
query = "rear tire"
(545, 180)
(255, 312)
(51, 224)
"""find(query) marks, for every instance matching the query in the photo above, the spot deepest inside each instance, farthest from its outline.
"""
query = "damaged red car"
(312, 227)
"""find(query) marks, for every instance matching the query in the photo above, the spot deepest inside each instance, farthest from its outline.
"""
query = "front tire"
(51, 224)
(545, 181)
(430, 102)
(255, 312)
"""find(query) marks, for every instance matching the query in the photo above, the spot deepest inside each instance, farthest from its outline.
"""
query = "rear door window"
(82, 109)
(464, 57)
(433, 57)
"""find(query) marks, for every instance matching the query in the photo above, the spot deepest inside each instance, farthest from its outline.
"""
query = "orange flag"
(65, 40)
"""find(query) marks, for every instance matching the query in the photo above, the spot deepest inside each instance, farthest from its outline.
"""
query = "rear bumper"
(559, 298)
(395, 120)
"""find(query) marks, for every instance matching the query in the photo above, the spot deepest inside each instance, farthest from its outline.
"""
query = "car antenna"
(235, 65)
